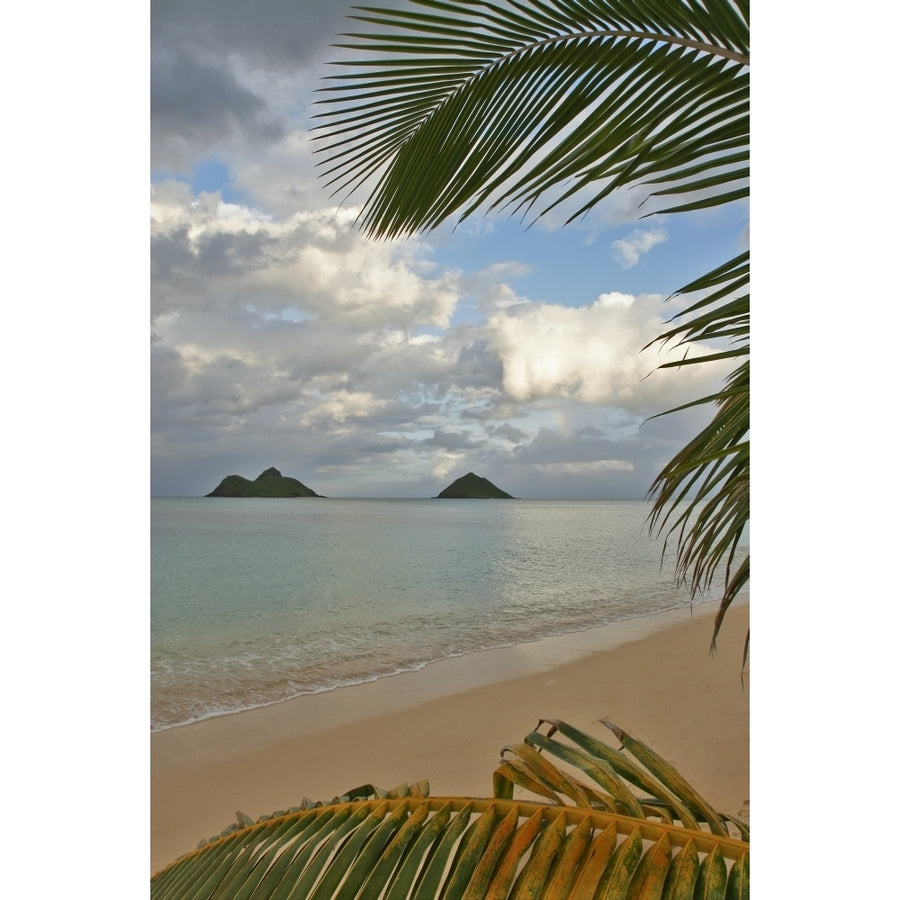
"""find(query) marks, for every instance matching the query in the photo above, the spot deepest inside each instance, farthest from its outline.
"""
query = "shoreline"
(559, 647)
(448, 721)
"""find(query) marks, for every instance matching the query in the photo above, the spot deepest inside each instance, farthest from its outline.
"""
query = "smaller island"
(473, 487)
(270, 483)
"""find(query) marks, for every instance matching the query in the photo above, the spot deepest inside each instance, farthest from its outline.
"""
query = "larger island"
(270, 483)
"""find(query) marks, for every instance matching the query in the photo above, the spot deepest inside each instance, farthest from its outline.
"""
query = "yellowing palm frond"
(402, 844)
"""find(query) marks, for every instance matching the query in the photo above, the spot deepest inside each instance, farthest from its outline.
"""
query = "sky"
(283, 337)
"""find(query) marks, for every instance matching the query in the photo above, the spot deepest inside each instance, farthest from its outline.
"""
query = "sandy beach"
(448, 722)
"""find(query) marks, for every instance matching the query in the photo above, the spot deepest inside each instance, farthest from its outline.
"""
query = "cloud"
(286, 332)
(270, 34)
(592, 467)
(508, 432)
(591, 353)
(195, 105)
(229, 77)
(629, 250)
(207, 253)
(453, 441)
(339, 407)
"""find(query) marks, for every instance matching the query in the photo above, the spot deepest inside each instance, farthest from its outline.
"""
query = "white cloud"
(629, 250)
(589, 353)
(340, 406)
(313, 261)
(282, 177)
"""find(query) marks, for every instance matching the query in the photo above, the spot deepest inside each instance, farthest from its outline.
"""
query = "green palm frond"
(702, 496)
(456, 104)
(403, 844)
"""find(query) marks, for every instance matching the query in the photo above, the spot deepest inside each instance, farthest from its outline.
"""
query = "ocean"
(255, 601)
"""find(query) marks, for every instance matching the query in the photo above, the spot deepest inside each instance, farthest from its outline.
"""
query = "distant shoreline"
(330, 497)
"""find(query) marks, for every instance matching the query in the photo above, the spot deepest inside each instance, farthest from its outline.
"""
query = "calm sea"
(257, 601)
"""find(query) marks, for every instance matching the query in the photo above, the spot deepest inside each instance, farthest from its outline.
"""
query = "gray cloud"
(195, 104)
(226, 75)
(453, 440)
(508, 432)
(268, 33)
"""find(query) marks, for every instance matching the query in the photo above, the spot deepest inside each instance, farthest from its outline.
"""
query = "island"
(473, 487)
(270, 483)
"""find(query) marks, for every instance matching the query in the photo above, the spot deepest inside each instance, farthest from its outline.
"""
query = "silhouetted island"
(270, 483)
(473, 487)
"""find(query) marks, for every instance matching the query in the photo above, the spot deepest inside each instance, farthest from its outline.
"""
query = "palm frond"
(632, 780)
(701, 498)
(402, 843)
(454, 105)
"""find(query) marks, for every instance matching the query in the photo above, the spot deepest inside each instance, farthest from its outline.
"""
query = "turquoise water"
(256, 601)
